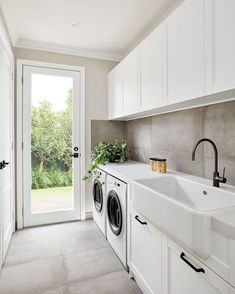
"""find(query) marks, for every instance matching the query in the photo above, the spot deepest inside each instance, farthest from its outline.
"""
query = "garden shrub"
(50, 178)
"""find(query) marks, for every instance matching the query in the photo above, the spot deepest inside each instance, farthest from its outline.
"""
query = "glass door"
(51, 155)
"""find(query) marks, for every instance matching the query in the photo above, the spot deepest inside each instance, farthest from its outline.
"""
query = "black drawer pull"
(142, 223)
(198, 270)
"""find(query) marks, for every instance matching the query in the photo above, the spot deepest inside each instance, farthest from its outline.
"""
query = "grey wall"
(107, 131)
(173, 136)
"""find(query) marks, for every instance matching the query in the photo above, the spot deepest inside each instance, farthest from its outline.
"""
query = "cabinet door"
(151, 70)
(131, 83)
(220, 45)
(184, 35)
(116, 92)
(146, 254)
(181, 278)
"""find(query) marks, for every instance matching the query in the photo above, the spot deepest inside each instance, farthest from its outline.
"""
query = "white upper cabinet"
(220, 45)
(131, 83)
(189, 55)
(116, 104)
(151, 69)
(184, 30)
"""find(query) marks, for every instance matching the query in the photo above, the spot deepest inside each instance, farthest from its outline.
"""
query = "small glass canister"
(162, 165)
(152, 162)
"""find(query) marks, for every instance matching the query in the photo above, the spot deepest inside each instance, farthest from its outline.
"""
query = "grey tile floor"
(69, 258)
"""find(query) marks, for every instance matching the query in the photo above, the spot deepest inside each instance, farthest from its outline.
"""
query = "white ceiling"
(102, 27)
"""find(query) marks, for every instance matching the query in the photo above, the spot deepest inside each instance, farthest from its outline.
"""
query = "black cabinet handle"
(198, 270)
(142, 223)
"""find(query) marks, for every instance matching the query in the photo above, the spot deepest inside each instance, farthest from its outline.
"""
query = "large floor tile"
(28, 251)
(59, 290)
(53, 231)
(114, 283)
(91, 264)
(76, 227)
(85, 241)
(64, 258)
(33, 277)
(36, 233)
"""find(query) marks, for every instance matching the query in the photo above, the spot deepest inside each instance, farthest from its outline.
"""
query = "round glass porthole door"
(114, 212)
(97, 195)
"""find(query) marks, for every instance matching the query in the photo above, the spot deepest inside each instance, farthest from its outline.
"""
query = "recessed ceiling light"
(76, 24)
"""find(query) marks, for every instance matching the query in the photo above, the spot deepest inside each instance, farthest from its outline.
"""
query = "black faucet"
(216, 177)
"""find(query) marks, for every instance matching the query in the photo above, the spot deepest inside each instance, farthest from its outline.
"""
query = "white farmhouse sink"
(182, 208)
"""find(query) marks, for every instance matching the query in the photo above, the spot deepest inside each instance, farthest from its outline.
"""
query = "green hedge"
(51, 178)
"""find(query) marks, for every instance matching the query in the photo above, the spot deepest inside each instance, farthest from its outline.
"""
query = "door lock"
(3, 164)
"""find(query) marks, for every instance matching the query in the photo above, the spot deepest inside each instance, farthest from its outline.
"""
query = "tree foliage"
(51, 136)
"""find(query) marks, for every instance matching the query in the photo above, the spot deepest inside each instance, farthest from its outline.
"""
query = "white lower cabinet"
(146, 255)
(184, 274)
(161, 266)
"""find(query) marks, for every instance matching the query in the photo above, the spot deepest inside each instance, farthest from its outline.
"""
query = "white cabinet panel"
(116, 106)
(184, 33)
(183, 279)
(151, 69)
(131, 83)
(220, 45)
(146, 254)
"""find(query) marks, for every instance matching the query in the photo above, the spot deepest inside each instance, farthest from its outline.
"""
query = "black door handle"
(3, 164)
(142, 223)
(198, 270)
(75, 155)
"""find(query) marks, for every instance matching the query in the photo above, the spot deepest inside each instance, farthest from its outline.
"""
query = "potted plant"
(105, 152)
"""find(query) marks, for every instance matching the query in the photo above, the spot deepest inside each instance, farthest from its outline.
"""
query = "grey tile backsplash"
(173, 136)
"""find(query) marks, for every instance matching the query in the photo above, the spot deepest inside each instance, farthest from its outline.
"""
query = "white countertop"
(222, 222)
(129, 170)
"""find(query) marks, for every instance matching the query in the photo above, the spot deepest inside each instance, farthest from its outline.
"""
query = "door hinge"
(22, 79)
(22, 145)
(13, 215)
(12, 76)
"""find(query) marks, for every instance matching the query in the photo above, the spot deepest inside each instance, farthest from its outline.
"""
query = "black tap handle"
(224, 180)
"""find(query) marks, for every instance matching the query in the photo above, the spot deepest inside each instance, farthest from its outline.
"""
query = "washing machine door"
(114, 212)
(97, 195)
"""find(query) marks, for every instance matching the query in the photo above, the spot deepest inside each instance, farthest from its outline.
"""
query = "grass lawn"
(52, 199)
(52, 192)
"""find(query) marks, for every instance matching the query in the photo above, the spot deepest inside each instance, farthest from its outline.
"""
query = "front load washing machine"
(99, 201)
(116, 208)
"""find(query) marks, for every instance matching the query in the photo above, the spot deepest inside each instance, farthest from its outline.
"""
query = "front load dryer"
(116, 207)
(99, 201)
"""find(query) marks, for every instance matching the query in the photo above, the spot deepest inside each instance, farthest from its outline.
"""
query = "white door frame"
(19, 120)
(10, 55)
